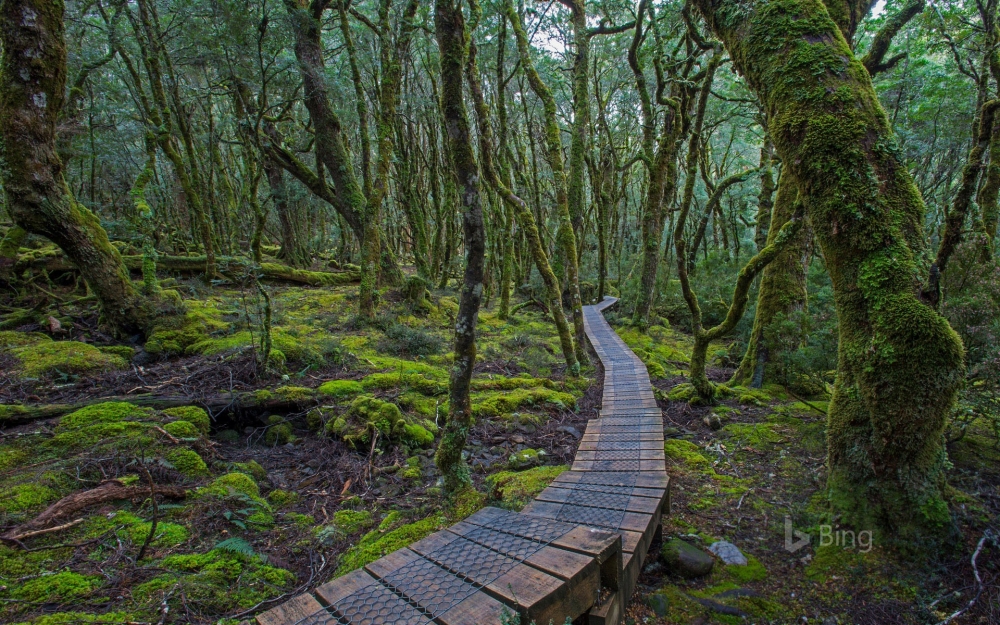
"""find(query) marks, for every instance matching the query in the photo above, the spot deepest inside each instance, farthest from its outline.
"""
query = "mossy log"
(56, 261)
(249, 402)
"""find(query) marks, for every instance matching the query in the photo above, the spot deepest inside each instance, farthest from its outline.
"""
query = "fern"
(237, 545)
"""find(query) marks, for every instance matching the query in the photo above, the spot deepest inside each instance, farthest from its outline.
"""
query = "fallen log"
(20, 414)
(53, 260)
(112, 490)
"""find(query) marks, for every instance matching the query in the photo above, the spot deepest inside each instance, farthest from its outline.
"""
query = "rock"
(685, 559)
(569, 429)
(728, 553)
(713, 422)
(671, 432)
(658, 603)
(518, 439)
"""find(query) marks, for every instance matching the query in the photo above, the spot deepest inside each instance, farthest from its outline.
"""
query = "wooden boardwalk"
(574, 552)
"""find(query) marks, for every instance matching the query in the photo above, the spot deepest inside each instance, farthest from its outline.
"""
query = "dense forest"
(288, 285)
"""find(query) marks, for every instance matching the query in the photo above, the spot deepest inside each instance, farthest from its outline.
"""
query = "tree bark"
(32, 92)
(900, 363)
(449, 26)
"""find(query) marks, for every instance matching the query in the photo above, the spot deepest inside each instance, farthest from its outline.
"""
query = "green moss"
(279, 431)
(59, 587)
(525, 458)
(25, 497)
(280, 498)
(237, 482)
(222, 581)
(417, 435)
(12, 411)
(182, 429)
(297, 394)
(507, 384)
(167, 534)
(379, 542)
(753, 571)
(366, 416)
(300, 520)
(187, 462)
(687, 454)
(39, 357)
(340, 388)
(514, 489)
(191, 414)
(412, 381)
(412, 470)
(504, 403)
(352, 521)
(251, 468)
(65, 357)
(757, 435)
(122, 351)
(174, 334)
(10, 458)
(114, 424)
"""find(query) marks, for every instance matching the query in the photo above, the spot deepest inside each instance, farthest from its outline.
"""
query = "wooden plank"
(295, 610)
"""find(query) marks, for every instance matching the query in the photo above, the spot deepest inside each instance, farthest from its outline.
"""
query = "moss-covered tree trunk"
(32, 92)
(565, 236)
(765, 198)
(449, 27)
(900, 363)
(522, 214)
(782, 295)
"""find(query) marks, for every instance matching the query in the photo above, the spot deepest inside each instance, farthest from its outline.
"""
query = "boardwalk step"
(574, 552)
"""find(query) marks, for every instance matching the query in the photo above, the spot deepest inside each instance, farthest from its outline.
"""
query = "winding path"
(575, 551)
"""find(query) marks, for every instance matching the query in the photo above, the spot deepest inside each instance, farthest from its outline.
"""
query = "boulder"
(685, 559)
(728, 553)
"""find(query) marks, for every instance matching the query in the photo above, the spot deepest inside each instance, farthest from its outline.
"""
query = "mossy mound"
(182, 429)
(187, 462)
(39, 356)
(504, 403)
(110, 423)
(191, 414)
(514, 489)
(340, 388)
(369, 416)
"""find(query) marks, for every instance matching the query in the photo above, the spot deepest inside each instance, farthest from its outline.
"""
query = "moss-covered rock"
(412, 381)
(39, 356)
(279, 431)
(187, 462)
(191, 414)
(280, 498)
(182, 429)
(525, 458)
(114, 423)
(366, 416)
(417, 435)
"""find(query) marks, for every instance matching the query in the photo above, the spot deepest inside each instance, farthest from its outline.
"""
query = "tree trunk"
(565, 237)
(450, 30)
(781, 297)
(900, 363)
(32, 91)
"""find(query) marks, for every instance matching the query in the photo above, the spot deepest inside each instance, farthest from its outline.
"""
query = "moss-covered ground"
(326, 465)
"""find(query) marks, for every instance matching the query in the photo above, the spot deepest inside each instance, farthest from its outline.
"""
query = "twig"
(988, 534)
(49, 530)
(167, 434)
(156, 515)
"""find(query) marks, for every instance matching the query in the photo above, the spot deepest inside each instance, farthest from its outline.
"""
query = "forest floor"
(324, 462)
